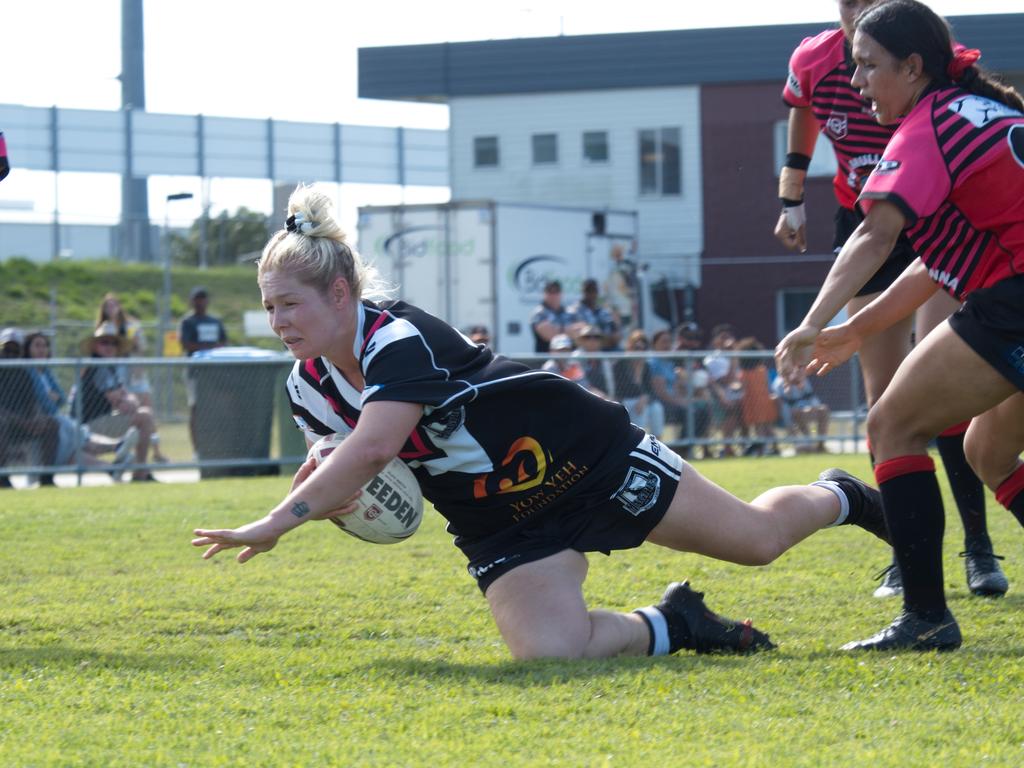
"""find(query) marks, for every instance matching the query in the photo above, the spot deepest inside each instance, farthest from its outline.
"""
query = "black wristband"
(787, 203)
(798, 161)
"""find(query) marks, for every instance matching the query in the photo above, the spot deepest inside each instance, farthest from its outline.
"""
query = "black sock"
(913, 512)
(968, 490)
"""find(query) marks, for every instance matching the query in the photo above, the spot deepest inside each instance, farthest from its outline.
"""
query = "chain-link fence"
(228, 414)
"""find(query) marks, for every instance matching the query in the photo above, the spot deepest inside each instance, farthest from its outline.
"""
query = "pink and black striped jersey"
(955, 168)
(819, 78)
(496, 437)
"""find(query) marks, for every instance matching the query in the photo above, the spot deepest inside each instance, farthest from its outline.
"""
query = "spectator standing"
(634, 388)
(760, 413)
(199, 331)
(621, 288)
(550, 317)
(589, 311)
(134, 344)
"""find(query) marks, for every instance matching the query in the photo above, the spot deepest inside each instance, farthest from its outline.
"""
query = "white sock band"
(844, 503)
(659, 629)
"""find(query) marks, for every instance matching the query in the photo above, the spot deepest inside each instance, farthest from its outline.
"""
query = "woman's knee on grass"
(898, 431)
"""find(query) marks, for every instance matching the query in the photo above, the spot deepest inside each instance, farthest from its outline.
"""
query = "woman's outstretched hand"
(257, 537)
(833, 347)
(794, 351)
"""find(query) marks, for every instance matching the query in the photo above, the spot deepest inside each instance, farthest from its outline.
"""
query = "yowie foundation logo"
(522, 468)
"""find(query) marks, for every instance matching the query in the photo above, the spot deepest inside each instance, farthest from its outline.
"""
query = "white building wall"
(671, 227)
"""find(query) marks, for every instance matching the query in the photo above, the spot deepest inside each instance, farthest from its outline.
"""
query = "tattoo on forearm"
(300, 509)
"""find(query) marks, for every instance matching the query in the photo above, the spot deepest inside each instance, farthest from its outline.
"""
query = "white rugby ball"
(391, 507)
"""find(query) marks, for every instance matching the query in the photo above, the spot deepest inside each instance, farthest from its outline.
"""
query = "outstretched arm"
(379, 435)
(866, 250)
(834, 346)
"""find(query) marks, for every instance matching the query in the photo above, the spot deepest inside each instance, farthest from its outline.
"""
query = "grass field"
(119, 646)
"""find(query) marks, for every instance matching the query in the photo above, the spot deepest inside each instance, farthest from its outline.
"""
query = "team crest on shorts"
(639, 491)
(837, 125)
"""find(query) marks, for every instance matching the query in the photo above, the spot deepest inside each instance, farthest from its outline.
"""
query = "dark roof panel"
(439, 71)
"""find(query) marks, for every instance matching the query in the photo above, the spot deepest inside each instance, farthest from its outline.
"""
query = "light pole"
(165, 311)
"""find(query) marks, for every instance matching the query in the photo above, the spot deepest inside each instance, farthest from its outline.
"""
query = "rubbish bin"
(234, 409)
(291, 441)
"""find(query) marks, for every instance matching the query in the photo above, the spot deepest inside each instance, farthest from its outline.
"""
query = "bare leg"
(709, 520)
(540, 612)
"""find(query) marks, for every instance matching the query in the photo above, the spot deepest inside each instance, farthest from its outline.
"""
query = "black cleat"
(865, 502)
(692, 625)
(908, 632)
(892, 581)
(984, 576)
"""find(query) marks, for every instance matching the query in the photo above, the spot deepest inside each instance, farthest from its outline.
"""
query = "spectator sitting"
(588, 312)
(802, 409)
(726, 388)
(20, 422)
(27, 418)
(479, 334)
(759, 410)
(568, 367)
(50, 399)
(634, 389)
(591, 342)
(103, 401)
(696, 381)
(550, 318)
(668, 383)
(134, 341)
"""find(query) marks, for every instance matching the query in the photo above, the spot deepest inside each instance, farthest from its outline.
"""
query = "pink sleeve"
(912, 173)
(797, 91)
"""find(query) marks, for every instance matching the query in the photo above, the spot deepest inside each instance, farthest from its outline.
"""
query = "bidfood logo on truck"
(529, 276)
(420, 242)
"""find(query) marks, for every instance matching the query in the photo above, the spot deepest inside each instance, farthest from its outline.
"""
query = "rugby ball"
(391, 507)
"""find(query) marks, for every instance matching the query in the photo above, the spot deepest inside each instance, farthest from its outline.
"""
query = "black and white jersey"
(498, 441)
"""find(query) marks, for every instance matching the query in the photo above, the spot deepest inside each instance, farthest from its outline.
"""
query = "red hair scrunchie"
(962, 59)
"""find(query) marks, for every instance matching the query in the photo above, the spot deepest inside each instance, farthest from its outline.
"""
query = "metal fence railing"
(229, 415)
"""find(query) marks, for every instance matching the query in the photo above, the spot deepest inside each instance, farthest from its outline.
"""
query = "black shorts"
(991, 321)
(901, 257)
(620, 512)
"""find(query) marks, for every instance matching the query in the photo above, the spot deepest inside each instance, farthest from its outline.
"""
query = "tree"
(228, 237)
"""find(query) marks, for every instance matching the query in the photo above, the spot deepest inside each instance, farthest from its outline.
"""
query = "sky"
(296, 60)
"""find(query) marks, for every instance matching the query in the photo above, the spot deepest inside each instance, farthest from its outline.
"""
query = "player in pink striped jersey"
(822, 99)
(952, 178)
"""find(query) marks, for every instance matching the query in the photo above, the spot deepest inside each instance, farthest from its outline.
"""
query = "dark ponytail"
(905, 27)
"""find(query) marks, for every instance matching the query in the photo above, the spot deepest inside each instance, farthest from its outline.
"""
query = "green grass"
(119, 646)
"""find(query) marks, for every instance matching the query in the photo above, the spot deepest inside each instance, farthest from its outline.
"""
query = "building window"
(792, 306)
(823, 162)
(661, 161)
(595, 146)
(485, 152)
(545, 148)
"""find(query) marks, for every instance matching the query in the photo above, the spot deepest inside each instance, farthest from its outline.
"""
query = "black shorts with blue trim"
(632, 496)
(991, 322)
(901, 257)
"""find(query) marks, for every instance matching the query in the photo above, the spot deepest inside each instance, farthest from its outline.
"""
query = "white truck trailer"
(486, 263)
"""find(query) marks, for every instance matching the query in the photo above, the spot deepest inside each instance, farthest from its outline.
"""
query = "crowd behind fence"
(231, 416)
